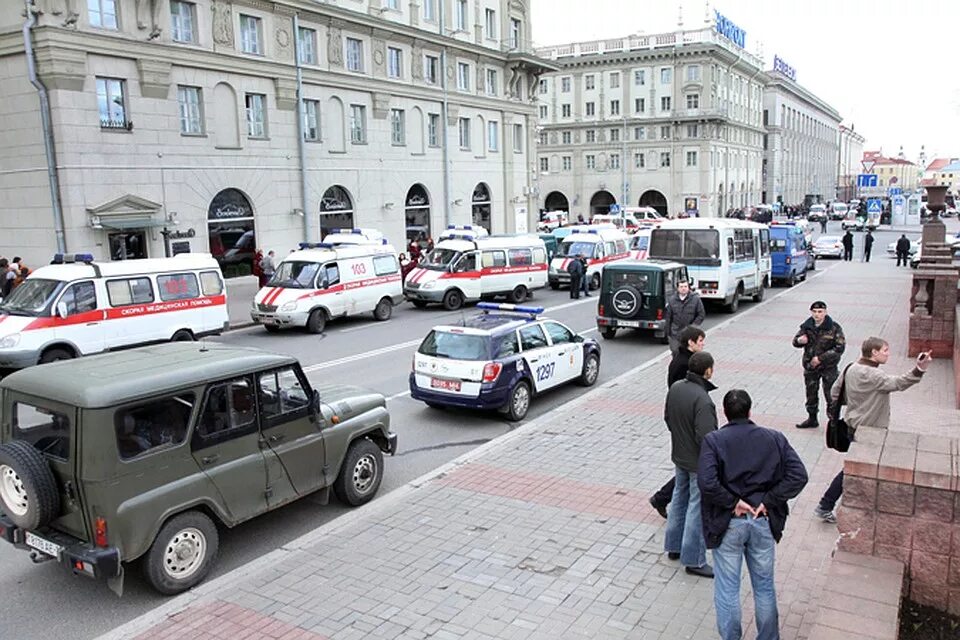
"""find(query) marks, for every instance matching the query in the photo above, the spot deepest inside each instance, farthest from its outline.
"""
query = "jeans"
(684, 527)
(833, 493)
(751, 538)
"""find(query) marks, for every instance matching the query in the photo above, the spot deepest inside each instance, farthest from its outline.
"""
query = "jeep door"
(226, 445)
(290, 427)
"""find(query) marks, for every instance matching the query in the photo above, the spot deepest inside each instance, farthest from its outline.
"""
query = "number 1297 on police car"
(545, 371)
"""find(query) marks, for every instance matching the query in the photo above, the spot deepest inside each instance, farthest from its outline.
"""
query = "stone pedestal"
(933, 309)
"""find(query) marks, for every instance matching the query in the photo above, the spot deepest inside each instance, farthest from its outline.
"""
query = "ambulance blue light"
(493, 306)
(83, 257)
(593, 231)
(326, 245)
(357, 231)
(69, 258)
(383, 241)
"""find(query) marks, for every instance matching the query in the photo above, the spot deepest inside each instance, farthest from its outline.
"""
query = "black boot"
(809, 423)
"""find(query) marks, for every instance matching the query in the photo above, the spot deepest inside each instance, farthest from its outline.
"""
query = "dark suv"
(634, 294)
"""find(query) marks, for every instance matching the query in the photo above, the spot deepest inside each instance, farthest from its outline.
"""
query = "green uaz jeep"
(634, 294)
(145, 452)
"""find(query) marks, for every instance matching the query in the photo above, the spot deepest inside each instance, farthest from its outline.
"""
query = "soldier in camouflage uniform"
(823, 343)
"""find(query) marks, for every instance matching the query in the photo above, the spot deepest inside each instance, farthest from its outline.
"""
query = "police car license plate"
(41, 544)
(450, 385)
(629, 323)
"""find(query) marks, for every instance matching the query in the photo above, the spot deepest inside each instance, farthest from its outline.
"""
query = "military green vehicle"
(634, 294)
(144, 454)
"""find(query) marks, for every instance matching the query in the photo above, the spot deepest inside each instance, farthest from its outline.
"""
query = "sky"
(890, 68)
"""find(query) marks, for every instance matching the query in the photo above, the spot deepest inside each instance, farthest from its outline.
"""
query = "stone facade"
(183, 103)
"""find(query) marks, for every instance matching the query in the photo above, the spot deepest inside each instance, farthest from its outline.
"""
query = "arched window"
(417, 214)
(336, 210)
(233, 240)
(481, 206)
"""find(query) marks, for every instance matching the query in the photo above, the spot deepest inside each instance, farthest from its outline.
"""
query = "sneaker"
(826, 515)
(673, 555)
(660, 508)
(706, 571)
(809, 423)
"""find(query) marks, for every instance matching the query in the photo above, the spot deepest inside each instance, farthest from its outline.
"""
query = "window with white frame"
(664, 158)
(311, 120)
(463, 76)
(567, 163)
(590, 108)
(433, 129)
(589, 82)
(191, 110)
(460, 14)
(615, 80)
(566, 137)
(183, 17)
(398, 126)
(463, 131)
(614, 135)
(565, 110)
(358, 124)
(430, 10)
(639, 77)
(665, 132)
(251, 34)
(493, 135)
(393, 4)
(590, 161)
(693, 101)
(614, 107)
(102, 13)
(691, 158)
(256, 107)
(518, 138)
(639, 160)
(639, 105)
(543, 138)
(394, 62)
(543, 112)
(544, 165)
(693, 131)
(614, 160)
(355, 55)
(516, 33)
(590, 135)
(666, 75)
(491, 83)
(693, 73)
(564, 85)
(431, 64)
(307, 40)
(490, 24)
(665, 103)
(112, 103)
(543, 86)
(639, 133)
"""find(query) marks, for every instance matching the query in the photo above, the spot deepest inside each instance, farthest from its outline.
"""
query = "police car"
(500, 359)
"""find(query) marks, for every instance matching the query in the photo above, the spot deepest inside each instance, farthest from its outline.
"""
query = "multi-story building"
(801, 143)
(891, 172)
(227, 126)
(671, 120)
(948, 175)
(848, 163)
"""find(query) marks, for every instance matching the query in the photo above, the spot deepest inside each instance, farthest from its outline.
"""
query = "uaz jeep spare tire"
(28, 490)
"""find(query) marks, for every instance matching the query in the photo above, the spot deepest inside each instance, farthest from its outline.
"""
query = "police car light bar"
(68, 258)
(493, 306)
(468, 227)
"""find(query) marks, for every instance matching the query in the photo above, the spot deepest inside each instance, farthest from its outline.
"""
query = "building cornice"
(779, 83)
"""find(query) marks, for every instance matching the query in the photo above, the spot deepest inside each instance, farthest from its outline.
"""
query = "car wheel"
(591, 370)
(182, 554)
(317, 321)
(419, 304)
(361, 473)
(519, 402)
(608, 333)
(28, 491)
(734, 304)
(452, 300)
(813, 265)
(383, 310)
(555, 285)
(519, 294)
(182, 336)
(792, 279)
(271, 328)
(595, 282)
(758, 296)
(54, 355)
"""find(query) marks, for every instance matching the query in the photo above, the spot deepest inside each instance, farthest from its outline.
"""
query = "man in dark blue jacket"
(746, 475)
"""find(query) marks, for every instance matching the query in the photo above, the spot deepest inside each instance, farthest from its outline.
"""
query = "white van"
(598, 243)
(323, 281)
(463, 269)
(76, 306)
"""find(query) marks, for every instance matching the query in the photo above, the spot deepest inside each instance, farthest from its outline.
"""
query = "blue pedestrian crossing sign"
(874, 206)
(614, 208)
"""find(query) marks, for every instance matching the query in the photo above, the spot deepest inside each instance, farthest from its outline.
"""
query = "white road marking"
(362, 356)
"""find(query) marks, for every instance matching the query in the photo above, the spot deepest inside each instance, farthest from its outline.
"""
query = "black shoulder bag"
(838, 432)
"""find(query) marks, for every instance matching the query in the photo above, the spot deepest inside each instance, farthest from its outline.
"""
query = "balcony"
(116, 124)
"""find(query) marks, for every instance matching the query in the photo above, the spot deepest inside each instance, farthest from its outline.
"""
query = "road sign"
(895, 191)
(614, 208)
(866, 180)
(867, 165)
(874, 206)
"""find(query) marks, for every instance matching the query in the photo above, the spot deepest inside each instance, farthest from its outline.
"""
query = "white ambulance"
(354, 236)
(599, 244)
(324, 281)
(76, 306)
(465, 268)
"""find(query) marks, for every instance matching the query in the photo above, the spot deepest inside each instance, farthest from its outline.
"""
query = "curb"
(157, 615)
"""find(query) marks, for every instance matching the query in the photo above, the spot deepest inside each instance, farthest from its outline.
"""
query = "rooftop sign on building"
(731, 31)
(782, 67)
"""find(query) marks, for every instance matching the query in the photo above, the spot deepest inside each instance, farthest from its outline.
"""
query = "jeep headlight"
(430, 285)
(253, 304)
(553, 270)
(289, 306)
(10, 341)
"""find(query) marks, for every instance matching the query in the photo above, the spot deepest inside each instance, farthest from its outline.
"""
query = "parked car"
(817, 213)
(634, 295)
(828, 247)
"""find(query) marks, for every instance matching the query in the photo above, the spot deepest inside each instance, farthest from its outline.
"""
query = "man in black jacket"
(575, 269)
(903, 250)
(690, 415)
(684, 308)
(867, 245)
(823, 342)
(847, 241)
(746, 475)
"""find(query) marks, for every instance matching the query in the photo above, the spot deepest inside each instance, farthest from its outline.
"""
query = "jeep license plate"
(449, 385)
(40, 544)
(628, 323)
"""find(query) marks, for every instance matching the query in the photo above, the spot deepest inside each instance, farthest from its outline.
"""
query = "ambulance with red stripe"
(323, 281)
(639, 244)
(76, 306)
(600, 245)
(466, 267)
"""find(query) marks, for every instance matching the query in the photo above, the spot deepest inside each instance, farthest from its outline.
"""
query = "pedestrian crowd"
(12, 274)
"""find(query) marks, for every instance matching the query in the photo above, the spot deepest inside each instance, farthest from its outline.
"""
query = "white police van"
(323, 281)
(77, 306)
(599, 244)
(500, 359)
(466, 267)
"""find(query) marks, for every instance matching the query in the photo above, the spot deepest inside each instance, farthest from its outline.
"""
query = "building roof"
(878, 158)
(952, 167)
(937, 163)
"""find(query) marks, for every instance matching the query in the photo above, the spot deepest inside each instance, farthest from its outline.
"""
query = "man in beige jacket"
(868, 402)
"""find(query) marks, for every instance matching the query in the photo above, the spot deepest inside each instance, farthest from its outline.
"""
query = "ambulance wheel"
(519, 294)
(271, 328)
(53, 355)
(182, 336)
(555, 286)
(317, 321)
(518, 403)
(419, 304)
(383, 310)
(595, 282)
(452, 300)
(609, 333)
(591, 370)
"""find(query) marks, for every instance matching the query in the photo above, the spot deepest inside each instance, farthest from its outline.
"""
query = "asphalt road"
(43, 601)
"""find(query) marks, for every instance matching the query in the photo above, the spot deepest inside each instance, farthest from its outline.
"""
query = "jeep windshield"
(691, 246)
(454, 345)
(295, 274)
(32, 297)
(577, 248)
(440, 259)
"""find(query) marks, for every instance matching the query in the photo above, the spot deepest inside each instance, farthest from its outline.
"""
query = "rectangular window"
(691, 158)
(463, 130)
(182, 19)
(385, 265)
(614, 160)
(666, 75)
(211, 284)
(433, 129)
(307, 41)
(589, 82)
(354, 55)
(543, 112)
(565, 85)
(430, 10)
(463, 76)
(543, 138)
(543, 87)
(256, 115)
(102, 13)
(565, 110)
(191, 112)
(493, 135)
(639, 133)
(251, 34)
(639, 77)
(229, 407)
(460, 9)
(520, 257)
(311, 120)
(544, 165)
(692, 131)
(566, 137)
(639, 105)
(590, 135)
(693, 73)
(614, 135)
(693, 101)
(590, 161)
(282, 396)
(430, 66)
(590, 109)
(518, 138)
(490, 24)
(615, 80)
(154, 425)
(178, 286)
(567, 163)
(516, 33)
(664, 158)
(397, 127)
(639, 160)
(32, 424)
(394, 62)
(665, 132)
(493, 259)
(129, 291)
(665, 103)
(491, 84)
(112, 103)
(393, 4)
(614, 107)
(358, 124)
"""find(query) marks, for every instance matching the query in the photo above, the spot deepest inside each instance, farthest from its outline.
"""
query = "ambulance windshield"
(577, 248)
(31, 297)
(295, 274)
(440, 259)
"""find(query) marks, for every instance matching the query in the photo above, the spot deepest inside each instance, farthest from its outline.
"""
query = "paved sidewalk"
(546, 532)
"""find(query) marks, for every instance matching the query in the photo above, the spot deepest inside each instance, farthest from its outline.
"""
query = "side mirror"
(693, 284)
(578, 338)
(315, 402)
(62, 309)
